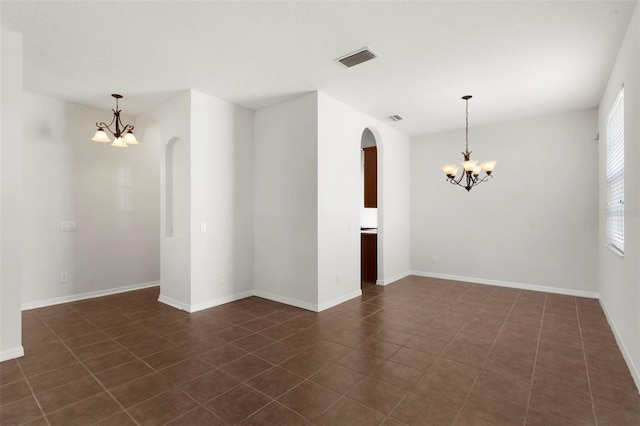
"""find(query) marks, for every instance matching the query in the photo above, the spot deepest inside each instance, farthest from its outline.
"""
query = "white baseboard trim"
(388, 281)
(220, 301)
(286, 300)
(625, 353)
(82, 296)
(174, 303)
(339, 300)
(521, 286)
(12, 353)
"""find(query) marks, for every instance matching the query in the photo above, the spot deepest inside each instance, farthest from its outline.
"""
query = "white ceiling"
(518, 58)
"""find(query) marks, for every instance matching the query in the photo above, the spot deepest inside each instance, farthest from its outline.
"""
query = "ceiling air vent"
(396, 117)
(358, 57)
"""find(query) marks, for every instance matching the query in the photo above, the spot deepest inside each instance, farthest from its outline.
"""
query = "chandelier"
(123, 135)
(470, 175)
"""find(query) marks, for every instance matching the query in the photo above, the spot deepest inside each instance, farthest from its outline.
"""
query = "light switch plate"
(68, 226)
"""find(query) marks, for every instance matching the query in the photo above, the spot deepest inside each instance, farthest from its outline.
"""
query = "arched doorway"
(370, 231)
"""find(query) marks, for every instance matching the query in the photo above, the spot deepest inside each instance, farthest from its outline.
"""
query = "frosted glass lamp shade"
(100, 136)
(476, 170)
(469, 165)
(130, 138)
(448, 169)
(488, 166)
(119, 143)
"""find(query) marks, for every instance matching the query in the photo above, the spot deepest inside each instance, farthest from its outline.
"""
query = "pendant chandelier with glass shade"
(122, 134)
(471, 169)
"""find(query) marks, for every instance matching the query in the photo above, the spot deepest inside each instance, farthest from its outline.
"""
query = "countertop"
(368, 230)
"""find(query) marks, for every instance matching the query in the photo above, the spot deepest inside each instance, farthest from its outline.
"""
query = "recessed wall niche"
(176, 188)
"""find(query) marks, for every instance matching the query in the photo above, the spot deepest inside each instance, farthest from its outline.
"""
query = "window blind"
(615, 174)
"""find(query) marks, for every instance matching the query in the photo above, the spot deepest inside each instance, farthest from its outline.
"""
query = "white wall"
(619, 277)
(340, 197)
(394, 203)
(533, 224)
(167, 127)
(205, 150)
(221, 197)
(307, 200)
(286, 201)
(111, 193)
(11, 209)
(339, 200)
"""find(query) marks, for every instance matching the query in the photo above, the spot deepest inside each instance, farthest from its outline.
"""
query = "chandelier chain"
(467, 126)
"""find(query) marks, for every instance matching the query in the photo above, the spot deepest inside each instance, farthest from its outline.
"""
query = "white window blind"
(615, 174)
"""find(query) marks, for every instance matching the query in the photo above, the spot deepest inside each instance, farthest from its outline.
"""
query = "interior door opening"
(369, 209)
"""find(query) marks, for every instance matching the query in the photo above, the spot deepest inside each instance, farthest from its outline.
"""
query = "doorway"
(368, 209)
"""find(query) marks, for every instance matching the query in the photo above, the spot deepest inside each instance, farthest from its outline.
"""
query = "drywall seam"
(625, 353)
(522, 286)
(89, 295)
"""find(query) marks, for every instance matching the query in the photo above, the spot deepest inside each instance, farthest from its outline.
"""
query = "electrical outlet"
(221, 279)
(434, 259)
(338, 279)
(64, 277)
(203, 227)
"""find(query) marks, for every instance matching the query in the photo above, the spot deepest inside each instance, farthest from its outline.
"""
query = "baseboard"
(12, 353)
(221, 301)
(393, 279)
(286, 300)
(339, 300)
(83, 296)
(533, 287)
(625, 353)
(174, 303)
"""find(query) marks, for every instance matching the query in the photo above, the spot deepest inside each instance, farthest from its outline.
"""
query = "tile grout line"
(586, 365)
(177, 386)
(425, 373)
(244, 382)
(33, 394)
(535, 358)
(513, 304)
(418, 314)
(154, 370)
(126, 349)
(92, 376)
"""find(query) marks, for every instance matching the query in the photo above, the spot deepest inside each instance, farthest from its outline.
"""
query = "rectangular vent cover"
(396, 117)
(353, 59)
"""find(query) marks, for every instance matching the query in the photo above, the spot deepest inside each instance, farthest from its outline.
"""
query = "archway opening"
(369, 243)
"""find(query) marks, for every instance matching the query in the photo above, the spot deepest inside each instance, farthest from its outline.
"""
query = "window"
(615, 174)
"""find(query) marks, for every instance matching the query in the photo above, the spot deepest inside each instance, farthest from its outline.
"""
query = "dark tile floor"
(418, 352)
